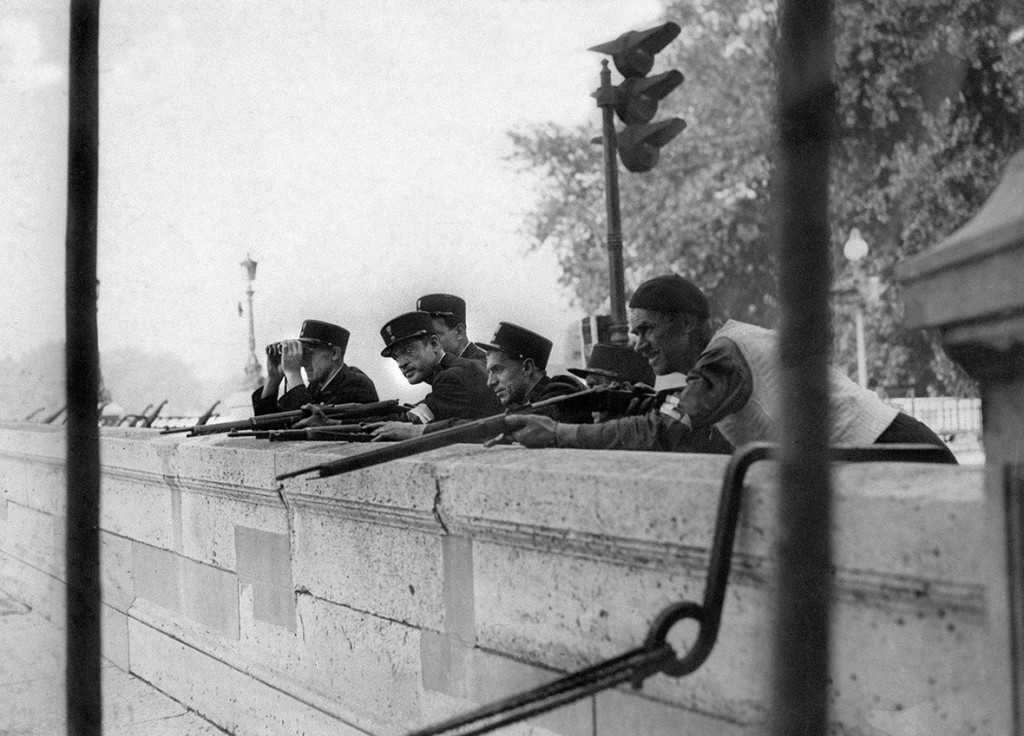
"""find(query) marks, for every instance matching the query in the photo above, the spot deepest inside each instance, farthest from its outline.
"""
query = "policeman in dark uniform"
(620, 367)
(449, 314)
(616, 365)
(517, 360)
(458, 386)
(320, 349)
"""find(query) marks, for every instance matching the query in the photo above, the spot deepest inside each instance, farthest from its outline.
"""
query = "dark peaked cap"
(616, 361)
(405, 326)
(520, 343)
(670, 293)
(443, 304)
(315, 332)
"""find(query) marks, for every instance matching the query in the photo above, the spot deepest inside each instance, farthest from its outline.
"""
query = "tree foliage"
(930, 106)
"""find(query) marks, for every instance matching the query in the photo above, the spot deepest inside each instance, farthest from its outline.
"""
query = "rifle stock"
(600, 398)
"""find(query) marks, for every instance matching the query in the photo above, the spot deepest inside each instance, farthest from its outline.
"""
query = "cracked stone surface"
(32, 686)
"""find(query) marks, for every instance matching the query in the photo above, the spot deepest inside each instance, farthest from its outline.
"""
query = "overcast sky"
(355, 149)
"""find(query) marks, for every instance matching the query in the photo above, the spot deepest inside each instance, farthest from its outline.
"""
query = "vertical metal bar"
(84, 704)
(616, 271)
(1013, 508)
(805, 109)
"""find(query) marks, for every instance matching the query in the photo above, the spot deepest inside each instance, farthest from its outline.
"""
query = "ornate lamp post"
(855, 249)
(253, 369)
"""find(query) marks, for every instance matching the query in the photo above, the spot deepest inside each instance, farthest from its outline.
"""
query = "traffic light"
(635, 101)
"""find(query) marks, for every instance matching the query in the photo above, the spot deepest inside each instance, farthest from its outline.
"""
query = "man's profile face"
(664, 339)
(507, 378)
(416, 358)
(448, 336)
(318, 362)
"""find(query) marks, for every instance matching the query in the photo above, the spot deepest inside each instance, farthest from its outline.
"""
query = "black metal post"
(84, 701)
(800, 671)
(616, 272)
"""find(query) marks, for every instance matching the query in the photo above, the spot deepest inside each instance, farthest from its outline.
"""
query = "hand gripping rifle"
(600, 398)
(283, 419)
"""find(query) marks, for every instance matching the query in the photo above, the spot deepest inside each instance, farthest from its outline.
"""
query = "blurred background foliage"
(930, 108)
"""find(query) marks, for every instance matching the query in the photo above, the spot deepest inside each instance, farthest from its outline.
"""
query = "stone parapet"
(394, 596)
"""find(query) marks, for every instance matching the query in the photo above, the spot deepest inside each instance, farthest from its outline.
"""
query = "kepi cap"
(520, 343)
(617, 362)
(403, 327)
(670, 293)
(443, 304)
(315, 332)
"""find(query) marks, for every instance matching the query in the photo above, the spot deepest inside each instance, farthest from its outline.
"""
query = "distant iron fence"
(944, 414)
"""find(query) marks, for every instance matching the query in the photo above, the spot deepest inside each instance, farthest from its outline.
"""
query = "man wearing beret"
(458, 386)
(449, 314)
(732, 381)
(517, 360)
(320, 349)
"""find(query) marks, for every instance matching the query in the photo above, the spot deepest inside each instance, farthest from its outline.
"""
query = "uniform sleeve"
(719, 384)
(295, 398)
(451, 398)
(356, 389)
(262, 405)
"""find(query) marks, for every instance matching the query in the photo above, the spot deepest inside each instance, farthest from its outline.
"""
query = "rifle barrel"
(280, 420)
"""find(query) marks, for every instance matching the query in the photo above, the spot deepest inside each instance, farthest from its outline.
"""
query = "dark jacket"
(475, 352)
(550, 387)
(348, 386)
(459, 391)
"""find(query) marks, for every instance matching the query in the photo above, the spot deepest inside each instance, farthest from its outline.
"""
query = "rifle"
(282, 419)
(599, 398)
(332, 433)
(53, 417)
(207, 414)
(148, 421)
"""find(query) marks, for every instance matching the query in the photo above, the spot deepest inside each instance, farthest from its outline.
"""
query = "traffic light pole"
(616, 272)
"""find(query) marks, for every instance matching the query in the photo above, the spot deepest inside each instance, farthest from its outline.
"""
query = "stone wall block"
(641, 495)
(116, 559)
(114, 635)
(13, 479)
(157, 576)
(40, 480)
(392, 571)
(34, 537)
(218, 460)
(142, 511)
(409, 484)
(237, 701)
(264, 563)
(370, 664)
(623, 712)
(208, 522)
(209, 596)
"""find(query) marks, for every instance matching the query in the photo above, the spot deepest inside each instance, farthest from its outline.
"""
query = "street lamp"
(253, 370)
(855, 249)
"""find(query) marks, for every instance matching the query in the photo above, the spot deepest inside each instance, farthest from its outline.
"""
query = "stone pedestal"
(971, 288)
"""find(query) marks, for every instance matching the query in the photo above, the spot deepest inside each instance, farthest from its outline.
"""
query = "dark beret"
(670, 293)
